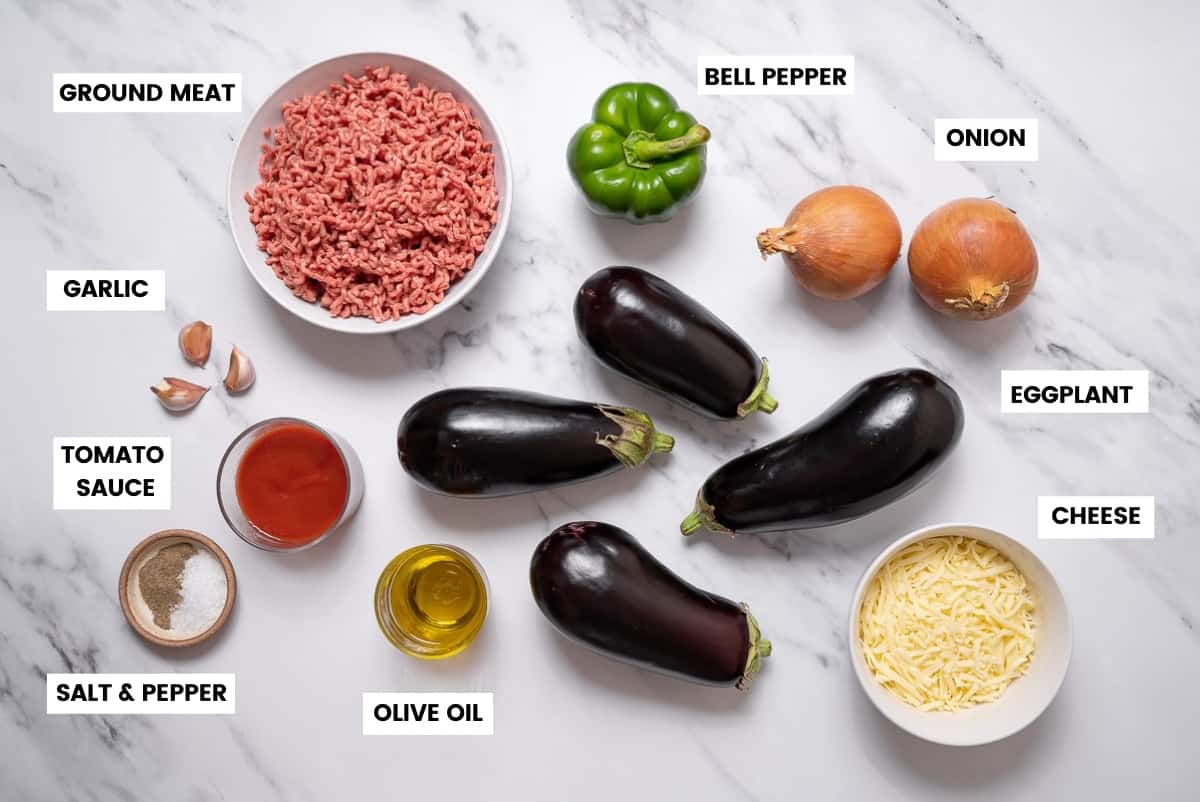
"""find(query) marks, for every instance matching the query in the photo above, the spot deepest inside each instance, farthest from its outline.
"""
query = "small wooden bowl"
(127, 586)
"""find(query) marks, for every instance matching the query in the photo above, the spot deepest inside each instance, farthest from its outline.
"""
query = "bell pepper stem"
(644, 148)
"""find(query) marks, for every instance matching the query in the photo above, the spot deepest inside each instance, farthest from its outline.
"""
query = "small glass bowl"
(227, 498)
(427, 637)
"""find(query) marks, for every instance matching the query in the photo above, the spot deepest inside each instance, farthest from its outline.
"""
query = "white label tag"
(985, 139)
(775, 75)
(1065, 391)
(427, 714)
(99, 92)
(112, 473)
(106, 290)
(1096, 517)
(141, 694)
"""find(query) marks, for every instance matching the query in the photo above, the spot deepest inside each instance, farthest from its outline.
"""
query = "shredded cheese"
(947, 623)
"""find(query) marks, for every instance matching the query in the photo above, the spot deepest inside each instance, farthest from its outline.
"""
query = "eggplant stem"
(638, 438)
(703, 516)
(759, 399)
(776, 240)
(760, 647)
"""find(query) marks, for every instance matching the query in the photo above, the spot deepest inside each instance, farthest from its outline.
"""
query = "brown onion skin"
(838, 243)
(972, 259)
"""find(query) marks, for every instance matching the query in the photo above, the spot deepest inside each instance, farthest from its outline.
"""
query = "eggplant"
(601, 589)
(484, 442)
(876, 444)
(651, 331)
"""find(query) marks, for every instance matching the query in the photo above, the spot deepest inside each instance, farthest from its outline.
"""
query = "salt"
(202, 591)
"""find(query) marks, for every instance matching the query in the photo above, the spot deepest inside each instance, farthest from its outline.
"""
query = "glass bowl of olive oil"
(431, 601)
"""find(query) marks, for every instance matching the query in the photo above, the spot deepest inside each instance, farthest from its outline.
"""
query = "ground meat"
(375, 196)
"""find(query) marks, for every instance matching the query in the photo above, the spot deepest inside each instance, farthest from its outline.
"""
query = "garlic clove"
(178, 395)
(241, 372)
(195, 341)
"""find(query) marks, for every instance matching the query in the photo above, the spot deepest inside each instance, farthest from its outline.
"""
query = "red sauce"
(291, 483)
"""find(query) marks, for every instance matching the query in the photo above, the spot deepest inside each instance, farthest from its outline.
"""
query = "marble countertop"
(1111, 204)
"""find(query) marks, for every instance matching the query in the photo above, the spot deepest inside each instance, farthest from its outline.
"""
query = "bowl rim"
(863, 673)
(467, 283)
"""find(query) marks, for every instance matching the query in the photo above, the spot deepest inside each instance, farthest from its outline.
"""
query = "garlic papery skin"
(178, 395)
(240, 375)
(195, 341)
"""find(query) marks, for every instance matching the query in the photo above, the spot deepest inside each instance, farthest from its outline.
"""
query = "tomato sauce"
(292, 483)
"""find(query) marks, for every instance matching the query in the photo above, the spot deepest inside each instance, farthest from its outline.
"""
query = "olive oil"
(431, 601)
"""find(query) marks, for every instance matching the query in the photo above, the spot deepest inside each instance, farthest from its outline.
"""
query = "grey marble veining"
(1111, 205)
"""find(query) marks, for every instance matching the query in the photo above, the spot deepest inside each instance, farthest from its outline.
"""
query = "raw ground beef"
(375, 195)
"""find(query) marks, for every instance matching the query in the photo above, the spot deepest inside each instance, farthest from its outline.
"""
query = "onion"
(839, 242)
(972, 259)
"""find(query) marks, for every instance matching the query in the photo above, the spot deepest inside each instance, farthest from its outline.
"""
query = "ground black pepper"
(160, 579)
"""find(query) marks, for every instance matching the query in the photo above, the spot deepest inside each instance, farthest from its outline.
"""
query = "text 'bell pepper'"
(641, 157)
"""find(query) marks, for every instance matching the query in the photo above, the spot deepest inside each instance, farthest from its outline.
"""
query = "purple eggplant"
(484, 442)
(876, 444)
(641, 326)
(601, 589)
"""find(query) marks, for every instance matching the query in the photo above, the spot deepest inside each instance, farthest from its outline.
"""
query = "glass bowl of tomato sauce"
(286, 484)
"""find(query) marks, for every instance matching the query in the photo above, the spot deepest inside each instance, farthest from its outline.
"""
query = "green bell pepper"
(641, 157)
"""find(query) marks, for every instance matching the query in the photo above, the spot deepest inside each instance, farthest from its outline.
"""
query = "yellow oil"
(431, 601)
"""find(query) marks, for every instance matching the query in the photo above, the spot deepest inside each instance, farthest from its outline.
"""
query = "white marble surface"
(1111, 204)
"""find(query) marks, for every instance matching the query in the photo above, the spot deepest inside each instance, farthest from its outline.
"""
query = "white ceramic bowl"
(243, 177)
(1025, 699)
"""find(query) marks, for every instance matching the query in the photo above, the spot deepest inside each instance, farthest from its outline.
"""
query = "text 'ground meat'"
(375, 195)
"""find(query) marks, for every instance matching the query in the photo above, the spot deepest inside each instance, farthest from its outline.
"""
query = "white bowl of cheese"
(964, 638)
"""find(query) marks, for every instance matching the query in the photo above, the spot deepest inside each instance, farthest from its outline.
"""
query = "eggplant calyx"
(703, 516)
(759, 398)
(637, 440)
(760, 647)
